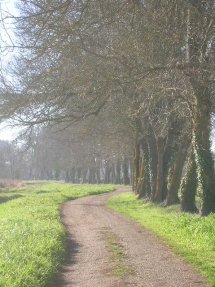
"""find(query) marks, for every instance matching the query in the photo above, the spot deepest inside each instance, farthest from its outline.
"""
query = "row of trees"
(49, 154)
(10, 165)
(67, 156)
(140, 70)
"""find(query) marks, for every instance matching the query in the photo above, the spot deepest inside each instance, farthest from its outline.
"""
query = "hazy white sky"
(8, 3)
(7, 134)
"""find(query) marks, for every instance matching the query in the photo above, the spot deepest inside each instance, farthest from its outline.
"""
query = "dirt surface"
(90, 262)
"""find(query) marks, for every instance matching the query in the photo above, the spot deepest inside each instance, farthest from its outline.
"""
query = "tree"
(150, 58)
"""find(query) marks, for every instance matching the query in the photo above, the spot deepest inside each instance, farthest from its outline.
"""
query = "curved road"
(91, 230)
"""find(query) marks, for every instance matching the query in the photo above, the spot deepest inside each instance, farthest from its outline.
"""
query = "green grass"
(32, 241)
(191, 236)
(116, 252)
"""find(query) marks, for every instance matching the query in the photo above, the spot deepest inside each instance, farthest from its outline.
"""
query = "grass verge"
(32, 241)
(191, 236)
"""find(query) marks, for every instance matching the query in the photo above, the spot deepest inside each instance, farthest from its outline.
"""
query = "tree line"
(51, 155)
(139, 71)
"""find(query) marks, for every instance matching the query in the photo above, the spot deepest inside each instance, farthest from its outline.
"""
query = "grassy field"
(32, 241)
(191, 236)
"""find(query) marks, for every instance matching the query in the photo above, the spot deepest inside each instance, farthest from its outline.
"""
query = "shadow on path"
(72, 248)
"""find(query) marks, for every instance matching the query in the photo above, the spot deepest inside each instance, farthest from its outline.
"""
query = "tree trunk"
(113, 173)
(98, 179)
(125, 171)
(50, 175)
(136, 167)
(57, 174)
(67, 177)
(153, 162)
(130, 170)
(78, 175)
(84, 175)
(118, 171)
(143, 188)
(133, 175)
(107, 173)
(91, 179)
(170, 150)
(72, 175)
(160, 176)
(200, 79)
(140, 183)
(203, 157)
(174, 186)
(189, 185)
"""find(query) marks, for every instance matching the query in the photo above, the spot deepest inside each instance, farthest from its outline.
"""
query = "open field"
(191, 236)
(32, 242)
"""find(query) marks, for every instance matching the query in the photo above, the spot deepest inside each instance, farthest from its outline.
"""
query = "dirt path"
(94, 233)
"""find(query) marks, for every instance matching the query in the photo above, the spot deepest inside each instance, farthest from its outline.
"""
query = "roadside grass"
(191, 236)
(32, 241)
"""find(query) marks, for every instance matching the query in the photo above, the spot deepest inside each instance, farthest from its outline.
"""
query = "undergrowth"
(191, 236)
(32, 241)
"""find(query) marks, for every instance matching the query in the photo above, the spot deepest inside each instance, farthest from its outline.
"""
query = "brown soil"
(90, 263)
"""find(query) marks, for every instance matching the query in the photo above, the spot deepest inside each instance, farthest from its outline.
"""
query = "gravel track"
(89, 264)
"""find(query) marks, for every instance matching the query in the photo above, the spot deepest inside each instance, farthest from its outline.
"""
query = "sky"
(8, 133)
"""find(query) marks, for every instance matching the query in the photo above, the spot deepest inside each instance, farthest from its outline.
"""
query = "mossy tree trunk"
(143, 188)
(169, 154)
(161, 142)
(133, 175)
(131, 170)
(153, 162)
(202, 151)
(200, 75)
(136, 167)
(189, 185)
(139, 187)
(172, 197)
